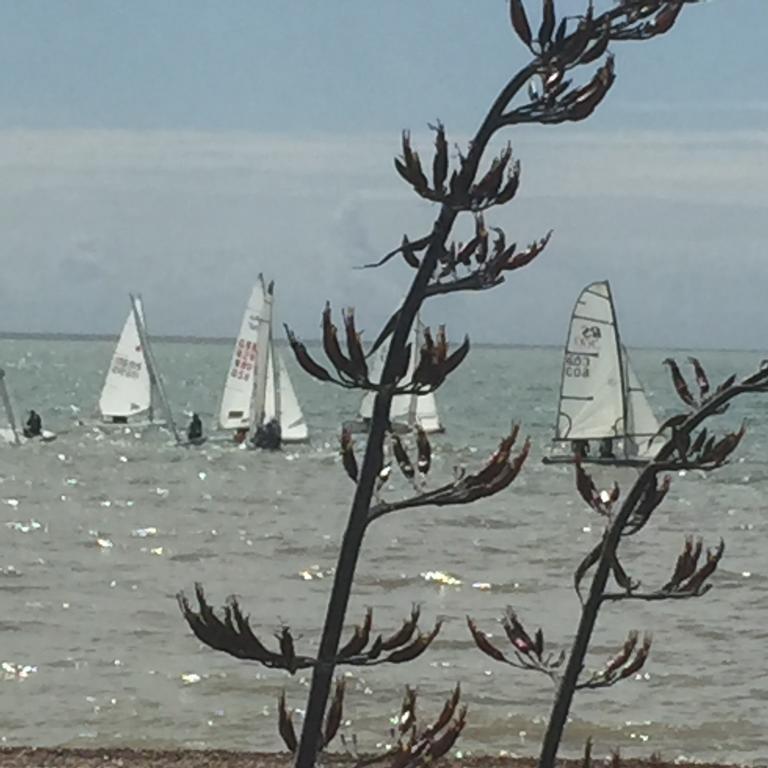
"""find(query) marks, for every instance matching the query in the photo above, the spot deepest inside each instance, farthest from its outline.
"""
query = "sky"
(179, 148)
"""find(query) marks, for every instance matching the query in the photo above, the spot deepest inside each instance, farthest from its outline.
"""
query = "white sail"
(591, 393)
(293, 427)
(127, 389)
(642, 424)
(235, 410)
(270, 409)
(8, 434)
(405, 409)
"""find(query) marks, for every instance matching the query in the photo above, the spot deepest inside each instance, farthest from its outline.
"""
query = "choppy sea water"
(100, 531)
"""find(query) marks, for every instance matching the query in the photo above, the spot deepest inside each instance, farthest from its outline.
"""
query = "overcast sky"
(178, 148)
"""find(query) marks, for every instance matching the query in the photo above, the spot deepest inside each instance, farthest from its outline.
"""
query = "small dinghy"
(258, 391)
(11, 434)
(603, 413)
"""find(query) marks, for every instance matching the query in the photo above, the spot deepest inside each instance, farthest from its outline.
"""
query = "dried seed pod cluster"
(627, 662)
(498, 473)
(333, 718)
(497, 186)
(416, 746)
(528, 652)
(702, 382)
(234, 636)
(689, 578)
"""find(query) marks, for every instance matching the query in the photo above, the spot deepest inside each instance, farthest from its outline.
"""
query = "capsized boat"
(406, 411)
(11, 433)
(133, 385)
(602, 402)
(258, 388)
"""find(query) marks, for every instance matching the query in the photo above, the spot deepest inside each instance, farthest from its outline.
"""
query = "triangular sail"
(156, 379)
(642, 424)
(405, 409)
(235, 410)
(591, 393)
(263, 374)
(10, 435)
(293, 427)
(127, 388)
(270, 389)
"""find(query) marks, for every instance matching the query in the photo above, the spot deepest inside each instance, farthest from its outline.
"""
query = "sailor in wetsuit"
(268, 436)
(34, 425)
(195, 429)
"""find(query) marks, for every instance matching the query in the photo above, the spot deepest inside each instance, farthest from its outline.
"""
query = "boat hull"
(630, 461)
(362, 427)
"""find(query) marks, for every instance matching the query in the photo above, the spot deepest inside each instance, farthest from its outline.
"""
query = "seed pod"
(443, 743)
(334, 715)
(526, 257)
(621, 658)
(445, 715)
(304, 359)
(701, 377)
(547, 23)
(407, 710)
(405, 633)
(508, 191)
(251, 646)
(416, 648)
(401, 456)
(285, 724)
(681, 387)
(424, 448)
(697, 580)
(348, 455)
(666, 17)
(483, 643)
(354, 346)
(440, 163)
(599, 48)
(332, 348)
(639, 661)
(408, 253)
(455, 359)
(359, 639)
(520, 21)
(287, 649)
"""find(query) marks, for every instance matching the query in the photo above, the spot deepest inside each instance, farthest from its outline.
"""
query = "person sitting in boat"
(268, 436)
(580, 448)
(240, 434)
(34, 425)
(195, 429)
(606, 448)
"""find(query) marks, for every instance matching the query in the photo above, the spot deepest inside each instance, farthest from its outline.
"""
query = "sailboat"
(11, 433)
(258, 388)
(133, 384)
(406, 411)
(601, 397)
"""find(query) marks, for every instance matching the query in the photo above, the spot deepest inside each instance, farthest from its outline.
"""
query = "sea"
(100, 530)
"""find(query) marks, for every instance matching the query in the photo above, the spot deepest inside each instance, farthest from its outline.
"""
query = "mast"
(262, 355)
(8, 408)
(622, 370)
(154, 374)
(414, 402)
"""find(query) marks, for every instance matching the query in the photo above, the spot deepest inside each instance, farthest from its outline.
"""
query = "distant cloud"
(676, 221)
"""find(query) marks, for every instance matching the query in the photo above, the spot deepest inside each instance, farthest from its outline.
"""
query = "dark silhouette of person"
(268, 436)
(195, 428)
(606, 448)
(34, 425)
(580, 448)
